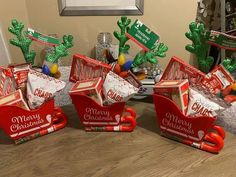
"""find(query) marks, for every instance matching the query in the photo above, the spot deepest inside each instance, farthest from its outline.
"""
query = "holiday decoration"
(157, 50)
(229, 64)
(123, 24)
(146, 39)
(22, 40)
(142, 35)
(59, 49)
(50, 66)
(199, 37)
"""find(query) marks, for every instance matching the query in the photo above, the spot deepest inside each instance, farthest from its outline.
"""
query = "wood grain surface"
(71, 152)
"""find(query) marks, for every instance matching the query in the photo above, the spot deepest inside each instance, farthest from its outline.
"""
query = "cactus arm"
(22, 41)
(123, 24)
(199, 36)
(60, 50)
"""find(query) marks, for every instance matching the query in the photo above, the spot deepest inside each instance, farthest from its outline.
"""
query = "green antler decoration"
(22, 40)
(124, 27)
(229, 64)
(150, 56)
(199, 36)
(60, 50)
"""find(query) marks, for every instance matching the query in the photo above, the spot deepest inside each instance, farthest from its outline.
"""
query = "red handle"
(60, 119)
(219, 130)
(131, 112)
(216, 143)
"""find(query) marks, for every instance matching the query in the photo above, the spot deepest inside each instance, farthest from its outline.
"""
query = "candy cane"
(130, 120)
(212, 142)
(9, 86)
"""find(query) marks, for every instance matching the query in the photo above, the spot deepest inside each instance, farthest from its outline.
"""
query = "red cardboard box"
(7, 82)
(217, 80)
(176, 90)
(84, 68)
(14, 99)
(91, 88)
(177, 69)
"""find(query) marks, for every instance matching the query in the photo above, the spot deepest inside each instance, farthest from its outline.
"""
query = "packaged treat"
(7, 82)
(131, 78)
(20, 73)
(14, 99)
(217, 80)
(177, 69)
(91, 88)
(117, 89)
(84, 68)
(41, 87)
(201, 105)
(176, 90)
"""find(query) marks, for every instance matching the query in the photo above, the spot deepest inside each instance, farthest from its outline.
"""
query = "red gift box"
(177, 69)
(7, 82)
(176, 90)
(217, 80)
(84, 68)
(90, 87)
(14, 99)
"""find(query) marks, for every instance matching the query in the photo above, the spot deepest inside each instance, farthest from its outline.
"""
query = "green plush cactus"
(199, 37)
(150, 56)
(22, 40)
(123, 24)
(229, 64)
(60, 50)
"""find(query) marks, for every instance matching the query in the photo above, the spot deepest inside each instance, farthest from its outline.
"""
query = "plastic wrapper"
(202, 104)
(117, 89)
(41, 88)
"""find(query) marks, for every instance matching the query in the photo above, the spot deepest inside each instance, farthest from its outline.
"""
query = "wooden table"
(71, 152)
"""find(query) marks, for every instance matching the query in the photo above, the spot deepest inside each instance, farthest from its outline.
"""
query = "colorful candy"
(45, 70)
(121, 59)
(54, 68)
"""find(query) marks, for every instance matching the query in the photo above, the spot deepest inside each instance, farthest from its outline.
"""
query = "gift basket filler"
(27, 108)
(186, 101)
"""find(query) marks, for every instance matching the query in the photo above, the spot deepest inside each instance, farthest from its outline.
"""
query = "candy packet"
(117, 89)
(41, 87)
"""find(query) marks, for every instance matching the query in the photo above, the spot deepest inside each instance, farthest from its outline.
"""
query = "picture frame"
(94, 7)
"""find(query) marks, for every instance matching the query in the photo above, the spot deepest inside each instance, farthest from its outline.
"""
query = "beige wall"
(10, 9)
(168, 18)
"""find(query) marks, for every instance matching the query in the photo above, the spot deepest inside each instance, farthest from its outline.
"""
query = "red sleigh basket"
(199, 132)
(110, 118)
(23, 125)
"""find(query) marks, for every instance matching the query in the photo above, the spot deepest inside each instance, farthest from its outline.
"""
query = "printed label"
(25, 122)
(142, 35)
(47, 40)
(93, 114)
(172, 121)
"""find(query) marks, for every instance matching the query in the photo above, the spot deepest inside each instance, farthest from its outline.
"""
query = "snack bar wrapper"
(200, 105)
(117, 89)
(41, 87)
